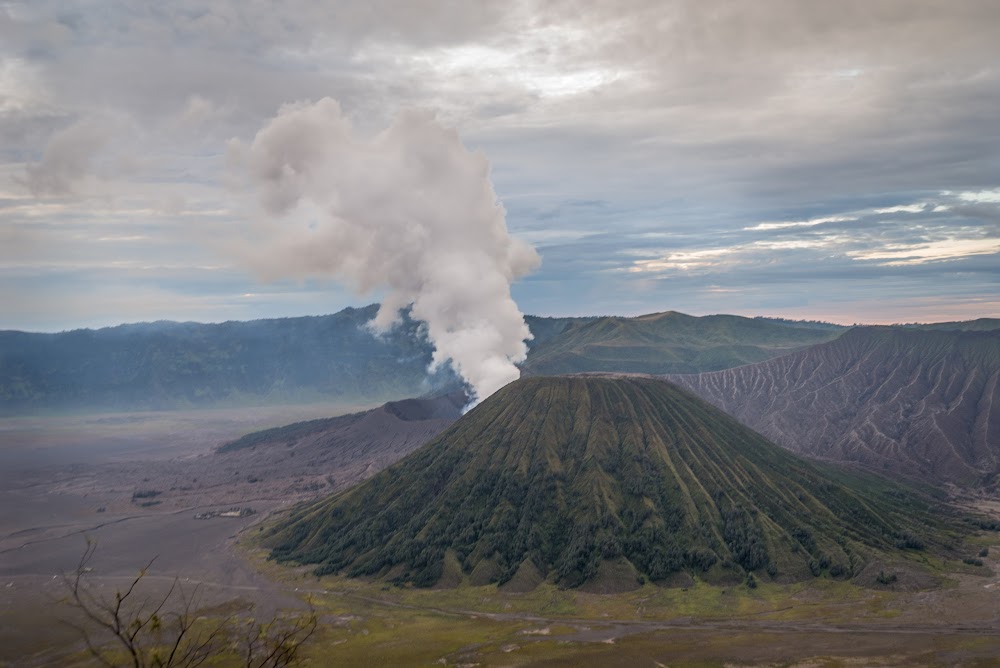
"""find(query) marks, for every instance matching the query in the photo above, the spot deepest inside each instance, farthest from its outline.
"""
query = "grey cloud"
(68, 159)
(256, 27)
(986, 212)
(689, 119)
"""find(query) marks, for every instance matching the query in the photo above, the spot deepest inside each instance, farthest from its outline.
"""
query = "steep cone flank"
(579, 479)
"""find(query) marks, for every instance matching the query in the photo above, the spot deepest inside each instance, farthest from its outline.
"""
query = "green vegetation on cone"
(569, 479)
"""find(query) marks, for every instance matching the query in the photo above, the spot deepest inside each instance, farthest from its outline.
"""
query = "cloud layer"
(691, 155)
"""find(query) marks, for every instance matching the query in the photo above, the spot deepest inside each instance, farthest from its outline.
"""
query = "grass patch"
(374, 624)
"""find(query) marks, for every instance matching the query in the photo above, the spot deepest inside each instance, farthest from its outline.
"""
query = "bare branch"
(285, 645)
(142, 630)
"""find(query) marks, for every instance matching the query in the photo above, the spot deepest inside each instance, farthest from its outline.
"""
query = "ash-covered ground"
(137, 484)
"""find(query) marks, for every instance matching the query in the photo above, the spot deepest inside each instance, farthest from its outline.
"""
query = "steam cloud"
(409, 211)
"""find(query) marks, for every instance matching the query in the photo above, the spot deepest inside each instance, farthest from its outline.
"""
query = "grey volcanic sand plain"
(65, 479)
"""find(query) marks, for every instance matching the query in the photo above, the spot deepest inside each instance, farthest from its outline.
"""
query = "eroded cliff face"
(901, 401)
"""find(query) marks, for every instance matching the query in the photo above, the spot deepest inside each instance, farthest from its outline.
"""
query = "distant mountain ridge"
(672, 342)
(601, 482)
(165, 365)
(916, 401)
(978, 325)
(170, 365)
(176, 365)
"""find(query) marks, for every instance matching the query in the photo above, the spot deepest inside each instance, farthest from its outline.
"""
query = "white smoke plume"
(410, 211)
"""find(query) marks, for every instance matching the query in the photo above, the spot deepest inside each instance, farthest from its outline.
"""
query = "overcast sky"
(797, 158)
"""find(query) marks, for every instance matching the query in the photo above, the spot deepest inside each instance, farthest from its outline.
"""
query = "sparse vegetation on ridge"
(670, 342)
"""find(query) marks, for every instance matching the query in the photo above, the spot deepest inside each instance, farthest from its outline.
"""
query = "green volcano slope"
(606, 481)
